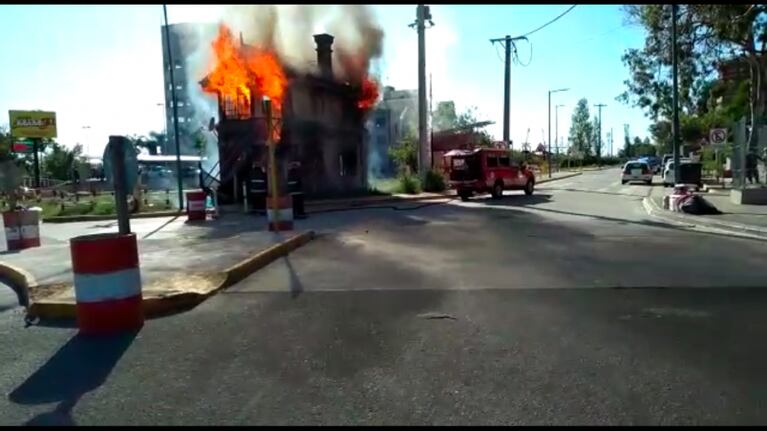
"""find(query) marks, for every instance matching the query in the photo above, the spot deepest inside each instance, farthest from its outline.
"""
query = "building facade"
(322, 128)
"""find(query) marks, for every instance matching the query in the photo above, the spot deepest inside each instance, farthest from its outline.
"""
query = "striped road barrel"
(29, 222)
(195, 206)
(107, 283)
(282, 218)
(12, 226)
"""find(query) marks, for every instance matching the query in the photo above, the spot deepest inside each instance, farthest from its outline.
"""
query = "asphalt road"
(567, 307)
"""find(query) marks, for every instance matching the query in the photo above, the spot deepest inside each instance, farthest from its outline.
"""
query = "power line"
(550, 22)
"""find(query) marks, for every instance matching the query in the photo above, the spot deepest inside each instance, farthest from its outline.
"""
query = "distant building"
(186, 40)
(394, 115)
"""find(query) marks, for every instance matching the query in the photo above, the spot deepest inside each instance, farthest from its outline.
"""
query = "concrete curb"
(21, 281)
(72, 219)
(162, 305)
(704, 225)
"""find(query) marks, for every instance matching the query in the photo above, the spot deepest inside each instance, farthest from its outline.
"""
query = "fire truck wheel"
(497, 192)
(529, 187)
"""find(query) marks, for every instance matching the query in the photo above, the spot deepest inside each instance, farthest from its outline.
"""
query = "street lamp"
(549, 115)
(556, 127)
(87, 143)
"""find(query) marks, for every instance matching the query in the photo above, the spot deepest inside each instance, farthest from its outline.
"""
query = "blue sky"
(101, 66)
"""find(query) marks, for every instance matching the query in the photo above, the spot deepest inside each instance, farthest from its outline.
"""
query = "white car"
(668, 171)
(636, 171)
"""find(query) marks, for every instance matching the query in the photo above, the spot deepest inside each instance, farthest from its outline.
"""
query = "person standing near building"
(752, 171)
(295, 188)
(257, 187)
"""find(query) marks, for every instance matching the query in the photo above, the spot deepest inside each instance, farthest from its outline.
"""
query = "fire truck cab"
(487, 170)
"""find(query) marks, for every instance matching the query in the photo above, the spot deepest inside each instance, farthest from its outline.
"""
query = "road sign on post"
(718, 136)
(128, 155)
(121, 168)
(23, 146)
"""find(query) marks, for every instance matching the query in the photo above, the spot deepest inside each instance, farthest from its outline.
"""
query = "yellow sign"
(33, 124)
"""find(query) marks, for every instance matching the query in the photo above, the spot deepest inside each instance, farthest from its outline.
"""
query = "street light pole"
(549, 116)
(556, 127)
(87, 143)
(174, 101)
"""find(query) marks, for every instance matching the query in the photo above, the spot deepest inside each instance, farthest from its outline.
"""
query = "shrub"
(408, 184)
(433, 181)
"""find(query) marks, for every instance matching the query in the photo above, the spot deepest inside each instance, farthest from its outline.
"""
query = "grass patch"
(86, 204)
(384, 185)
(408, 184)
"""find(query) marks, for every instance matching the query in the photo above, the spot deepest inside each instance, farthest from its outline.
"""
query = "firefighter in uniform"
(257, 188)
(295, 189)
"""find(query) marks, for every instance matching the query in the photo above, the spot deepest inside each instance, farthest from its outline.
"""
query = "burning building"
(319, 119)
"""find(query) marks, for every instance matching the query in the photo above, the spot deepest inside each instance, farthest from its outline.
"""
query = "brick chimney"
(324, 43)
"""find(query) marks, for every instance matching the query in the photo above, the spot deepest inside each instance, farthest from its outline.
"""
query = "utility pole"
(599, 106)
(507, 41)
(675, 94)
(431, 120)
(422, 14)
(611, 141)
(171, 66)
(506, 89)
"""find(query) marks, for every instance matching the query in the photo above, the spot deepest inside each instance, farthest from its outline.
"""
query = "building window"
(347, 162)
(238, 108)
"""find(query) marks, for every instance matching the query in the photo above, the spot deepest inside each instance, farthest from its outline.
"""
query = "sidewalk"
(737, 219)
(175, 258)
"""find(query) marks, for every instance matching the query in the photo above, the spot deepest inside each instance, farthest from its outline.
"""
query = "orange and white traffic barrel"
(12, 230)
(107, 283)
(29, 222)
(281, 218)
(195, 206)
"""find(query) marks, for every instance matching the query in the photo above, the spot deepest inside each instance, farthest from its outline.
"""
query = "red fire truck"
(484, 170)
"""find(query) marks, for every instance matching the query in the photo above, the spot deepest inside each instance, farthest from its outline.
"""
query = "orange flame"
(369, 94)
(239, 70)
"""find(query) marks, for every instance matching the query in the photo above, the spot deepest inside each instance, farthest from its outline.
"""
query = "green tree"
(626, 152)
(58, 162)
(444, 117)
(708, 35)
(149, 143)
(661, 134)
(581, 128)
(404, 154)
(596, 142)
(5, 145)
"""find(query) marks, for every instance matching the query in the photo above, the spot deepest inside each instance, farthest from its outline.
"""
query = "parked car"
(487, 170)
(636, 171)
(668, 171)
(654, 162)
